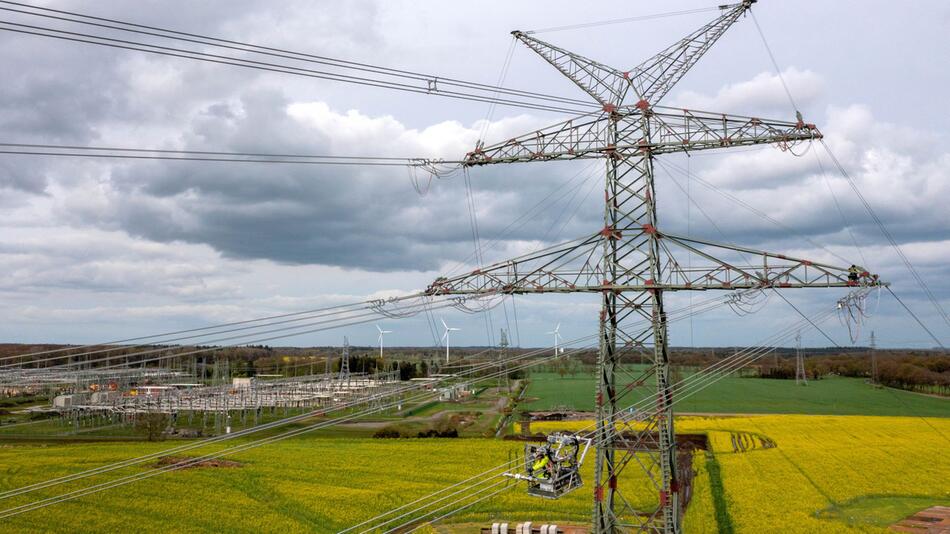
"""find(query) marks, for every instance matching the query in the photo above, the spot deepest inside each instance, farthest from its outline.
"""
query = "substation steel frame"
(630, 262)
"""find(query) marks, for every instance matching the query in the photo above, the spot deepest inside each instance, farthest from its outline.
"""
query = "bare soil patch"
(933, 520)
(166, 461)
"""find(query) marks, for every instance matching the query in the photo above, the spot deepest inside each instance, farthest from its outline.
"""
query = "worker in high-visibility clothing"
(853, 273)
(539, 469)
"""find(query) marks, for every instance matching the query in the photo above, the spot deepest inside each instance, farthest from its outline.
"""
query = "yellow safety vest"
(538, 468)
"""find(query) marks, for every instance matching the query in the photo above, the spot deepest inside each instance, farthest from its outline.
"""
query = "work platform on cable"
(552, 468)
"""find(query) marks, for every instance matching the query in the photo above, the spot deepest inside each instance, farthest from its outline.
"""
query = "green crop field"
(830, 396)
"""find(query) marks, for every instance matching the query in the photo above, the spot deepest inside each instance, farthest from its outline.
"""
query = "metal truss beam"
(672, 130)
(649, 81)
(653, 79)
(575, 267)
(604, 84)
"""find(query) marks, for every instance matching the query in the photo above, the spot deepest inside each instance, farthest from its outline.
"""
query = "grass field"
(829, 396)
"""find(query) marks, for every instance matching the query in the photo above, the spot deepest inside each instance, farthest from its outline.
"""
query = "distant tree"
(152, 424)
(406, 370)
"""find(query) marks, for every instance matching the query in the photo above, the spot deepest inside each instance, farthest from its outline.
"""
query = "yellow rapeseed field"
(298, 485)
(825, 474)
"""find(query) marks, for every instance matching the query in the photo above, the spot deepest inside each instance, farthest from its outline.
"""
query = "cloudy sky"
(98, 249)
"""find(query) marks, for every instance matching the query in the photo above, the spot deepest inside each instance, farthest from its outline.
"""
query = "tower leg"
(631, 253)
(605, 400)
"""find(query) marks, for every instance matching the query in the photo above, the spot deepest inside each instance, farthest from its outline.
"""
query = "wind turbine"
(381, 334)
(445, 336)
(557, 338)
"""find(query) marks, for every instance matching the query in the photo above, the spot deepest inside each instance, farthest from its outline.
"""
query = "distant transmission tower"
(503, 354)
(345, 361)
(800, 377)
(873, 359)
(630, 263)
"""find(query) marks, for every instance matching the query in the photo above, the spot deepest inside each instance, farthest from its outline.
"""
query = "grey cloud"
(370, 219)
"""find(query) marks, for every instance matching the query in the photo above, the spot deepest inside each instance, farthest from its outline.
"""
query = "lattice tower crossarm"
(631, 263)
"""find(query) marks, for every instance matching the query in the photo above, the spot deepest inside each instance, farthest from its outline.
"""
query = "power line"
(774, 63)
(32, 149)
(16, 510)
(584, 25)
(431, 84)
(887, 235)
(203, 329)
(752, 209)
(281, 333)
(126, 463)
(274, 52)
(238, 448)
(914, 315)
(205, 152)
(686, 388)
(271, 67)
(779, 293)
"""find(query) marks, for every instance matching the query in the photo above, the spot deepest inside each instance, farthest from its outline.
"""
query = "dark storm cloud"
(365, 217)
(368, 217)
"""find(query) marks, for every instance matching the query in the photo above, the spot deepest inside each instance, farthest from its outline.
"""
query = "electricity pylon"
(345, 362)
(873, 350)
(503, 345)
(800, 376)
(630, 262)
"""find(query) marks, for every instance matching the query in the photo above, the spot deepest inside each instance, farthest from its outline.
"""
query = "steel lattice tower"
(800, 376)
(873, 350)
(345, 361)
(503, 345)
(630, 262)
